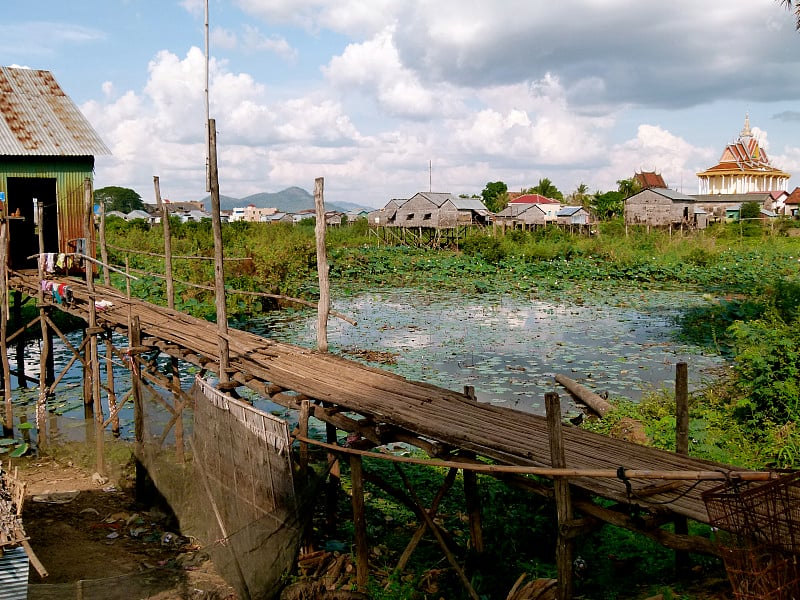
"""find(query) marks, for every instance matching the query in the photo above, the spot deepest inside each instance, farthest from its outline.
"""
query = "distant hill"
(291, 200)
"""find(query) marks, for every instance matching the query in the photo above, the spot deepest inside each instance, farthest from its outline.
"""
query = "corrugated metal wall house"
(47, 150)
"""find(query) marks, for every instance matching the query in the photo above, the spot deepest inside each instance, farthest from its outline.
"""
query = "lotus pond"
(509, 348)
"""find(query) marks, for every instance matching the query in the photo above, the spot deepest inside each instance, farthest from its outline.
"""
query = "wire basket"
(758, 536)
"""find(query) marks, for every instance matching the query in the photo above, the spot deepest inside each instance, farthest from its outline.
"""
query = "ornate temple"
(744, 167)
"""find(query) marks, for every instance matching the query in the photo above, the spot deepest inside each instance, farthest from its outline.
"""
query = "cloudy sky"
(385, 98)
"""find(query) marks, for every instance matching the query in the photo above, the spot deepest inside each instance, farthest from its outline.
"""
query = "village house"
(792, 204)
(431, 210)
(521, 216)
(663, 207)
(548, 206)
(572, 215)
(47, 151)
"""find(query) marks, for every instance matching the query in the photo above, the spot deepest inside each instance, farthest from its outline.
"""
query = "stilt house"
(47, 150)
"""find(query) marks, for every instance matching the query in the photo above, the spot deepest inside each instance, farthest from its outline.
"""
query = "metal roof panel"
(38, 119)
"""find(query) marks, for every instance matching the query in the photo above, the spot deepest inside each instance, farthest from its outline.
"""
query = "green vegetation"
(118, 198)
(748, 418)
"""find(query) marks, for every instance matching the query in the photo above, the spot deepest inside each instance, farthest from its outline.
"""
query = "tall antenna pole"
(208, 116)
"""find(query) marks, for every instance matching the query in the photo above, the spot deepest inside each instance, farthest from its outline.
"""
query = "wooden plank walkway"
(442, 416)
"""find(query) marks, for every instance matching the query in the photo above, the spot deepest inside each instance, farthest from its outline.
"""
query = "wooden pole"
(8, 424)
(219, 268)
(135, 337)
(359, 523)
(44, 354)
(473, 510)
(162, 207)
(22, 379)
(168, 272)
(322, 267)
(103, 245)
(88, 232)
(564, 545)
(334, 482)
(302, 424)
(594, 401)
(681, 524)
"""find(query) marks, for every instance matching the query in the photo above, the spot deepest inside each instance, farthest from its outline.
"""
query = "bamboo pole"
(88, 231)
(219, 272)
(8, 424)
(676, 475)
(564, 545)
(322, 267)
(44, 355)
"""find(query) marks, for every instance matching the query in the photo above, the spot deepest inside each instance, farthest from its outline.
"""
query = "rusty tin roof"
(38, 119)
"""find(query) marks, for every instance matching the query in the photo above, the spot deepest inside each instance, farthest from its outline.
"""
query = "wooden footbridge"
(384, 407)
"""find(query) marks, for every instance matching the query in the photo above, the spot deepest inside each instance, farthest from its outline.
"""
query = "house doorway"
(24, 194)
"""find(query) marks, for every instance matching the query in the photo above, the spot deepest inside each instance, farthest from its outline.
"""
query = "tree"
(545, 188)
(495, 196)
(607, 205)
(628, 187)
(580, 197)
(118, 198)
(795, 6)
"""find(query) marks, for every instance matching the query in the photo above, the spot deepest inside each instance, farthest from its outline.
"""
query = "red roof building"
(649, 179)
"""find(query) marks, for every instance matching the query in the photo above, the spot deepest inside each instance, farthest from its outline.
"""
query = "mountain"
(291, 200)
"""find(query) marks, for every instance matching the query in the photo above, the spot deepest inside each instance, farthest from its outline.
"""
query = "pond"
(509, 348)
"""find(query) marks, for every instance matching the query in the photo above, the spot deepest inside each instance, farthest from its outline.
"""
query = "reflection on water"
(509, 348)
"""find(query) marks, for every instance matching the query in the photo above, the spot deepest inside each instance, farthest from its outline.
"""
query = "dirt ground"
(96, 541)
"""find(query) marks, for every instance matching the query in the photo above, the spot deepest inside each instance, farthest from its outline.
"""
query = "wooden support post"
(179, 406)
(46, 348)
(305, 408)
(473, 509)
(88, 406)
(88, 232)
(112, 395)
(22, 379)
(417, 537)
(334, 482)
(436, 533)
(681, 524)
(162, 207)
(322, 267)
(359, 523)
(564, 545)
(135, 338)
(103, 245)
(219, 272)
(8, 423)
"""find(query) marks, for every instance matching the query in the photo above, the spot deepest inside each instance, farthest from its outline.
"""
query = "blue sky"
(380, 97)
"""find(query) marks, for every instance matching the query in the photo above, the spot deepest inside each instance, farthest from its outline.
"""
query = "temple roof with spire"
(744, 156)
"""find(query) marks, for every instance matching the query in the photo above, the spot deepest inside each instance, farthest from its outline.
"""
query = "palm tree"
(628, 187)
(795, 6)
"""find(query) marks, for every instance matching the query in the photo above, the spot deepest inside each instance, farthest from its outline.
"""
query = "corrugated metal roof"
(475, 204)
(14, 574)
(38, 119)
